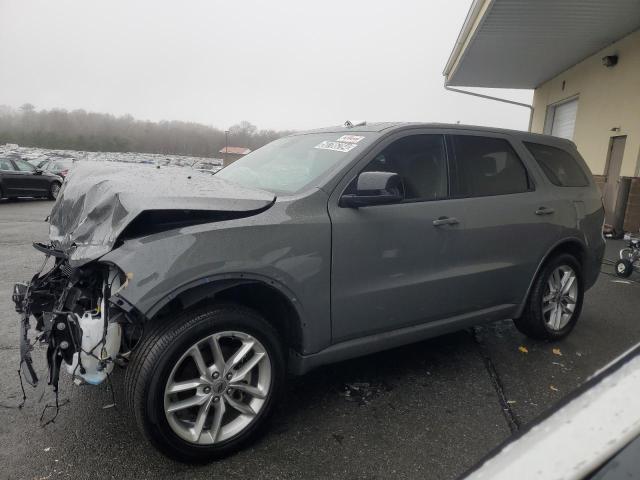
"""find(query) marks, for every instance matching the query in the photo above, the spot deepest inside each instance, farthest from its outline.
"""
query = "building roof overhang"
(524, 43)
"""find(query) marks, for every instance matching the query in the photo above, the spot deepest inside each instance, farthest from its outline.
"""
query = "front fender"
(274, 248)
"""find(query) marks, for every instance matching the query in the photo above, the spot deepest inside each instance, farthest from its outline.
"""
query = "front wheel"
(555, 300)
(202, 385)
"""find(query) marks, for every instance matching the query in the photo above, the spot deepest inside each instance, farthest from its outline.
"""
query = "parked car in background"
(59, 166)
(316, 248)
(19, 178)
(37, 162)
(206, 167)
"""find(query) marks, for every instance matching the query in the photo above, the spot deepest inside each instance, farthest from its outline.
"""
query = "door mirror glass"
(375, 188)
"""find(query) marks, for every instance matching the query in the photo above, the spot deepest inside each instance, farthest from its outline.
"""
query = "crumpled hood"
(99, 200)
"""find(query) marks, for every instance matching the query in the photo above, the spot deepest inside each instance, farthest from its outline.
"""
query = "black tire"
(53, 193)
(158, 352)
(532, 322)
(623, 268)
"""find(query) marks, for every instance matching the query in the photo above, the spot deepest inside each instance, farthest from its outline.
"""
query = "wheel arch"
(573, 246)
(270, 298)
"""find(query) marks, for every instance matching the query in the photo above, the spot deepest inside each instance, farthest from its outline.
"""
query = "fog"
(281, 65)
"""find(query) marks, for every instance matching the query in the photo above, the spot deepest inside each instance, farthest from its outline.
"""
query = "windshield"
(290, 164)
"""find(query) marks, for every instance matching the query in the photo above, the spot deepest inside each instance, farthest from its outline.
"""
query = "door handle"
(544, 211)
(445, 221)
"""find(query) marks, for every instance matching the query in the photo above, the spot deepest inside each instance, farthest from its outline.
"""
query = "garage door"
(564, 119)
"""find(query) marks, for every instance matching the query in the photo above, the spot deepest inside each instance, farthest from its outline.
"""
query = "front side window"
(421, 163)
(485, 166)
(291, 164)
(558, 165)
(24, 166)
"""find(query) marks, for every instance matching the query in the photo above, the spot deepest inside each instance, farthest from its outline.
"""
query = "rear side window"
(486, 166)
(558, 165)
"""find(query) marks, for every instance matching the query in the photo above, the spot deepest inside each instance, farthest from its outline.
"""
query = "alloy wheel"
(217, 388)
(560, 297)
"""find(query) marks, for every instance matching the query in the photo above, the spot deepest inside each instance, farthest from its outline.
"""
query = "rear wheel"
(202, 385)
(555, 300)
(54, 189)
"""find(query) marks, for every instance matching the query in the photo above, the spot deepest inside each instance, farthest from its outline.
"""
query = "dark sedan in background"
(19, 178)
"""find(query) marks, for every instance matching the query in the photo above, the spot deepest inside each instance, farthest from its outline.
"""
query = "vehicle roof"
(388, 127)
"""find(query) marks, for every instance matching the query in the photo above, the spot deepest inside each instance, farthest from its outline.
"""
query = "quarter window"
(558, 165)
(421, 163)
(486, 166)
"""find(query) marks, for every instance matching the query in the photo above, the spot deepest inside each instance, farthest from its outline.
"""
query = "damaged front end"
(99, 208)
(74, 317)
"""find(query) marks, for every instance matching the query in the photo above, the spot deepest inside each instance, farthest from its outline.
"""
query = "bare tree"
(82, 130)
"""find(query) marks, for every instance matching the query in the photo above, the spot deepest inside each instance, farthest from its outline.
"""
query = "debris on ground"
(523, 349)
(511, 402)
(364, 392)
(556, 351)
(553, 388)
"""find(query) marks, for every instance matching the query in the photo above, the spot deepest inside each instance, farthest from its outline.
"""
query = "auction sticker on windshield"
(350, 138)
(336, 146)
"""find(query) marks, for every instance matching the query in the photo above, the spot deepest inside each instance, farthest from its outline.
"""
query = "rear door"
(504, 229)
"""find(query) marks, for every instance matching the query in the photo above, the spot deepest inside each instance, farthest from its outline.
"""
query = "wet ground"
(429, 410)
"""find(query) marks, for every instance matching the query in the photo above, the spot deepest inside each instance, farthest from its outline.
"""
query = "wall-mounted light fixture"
(610, 61)
(615, 129)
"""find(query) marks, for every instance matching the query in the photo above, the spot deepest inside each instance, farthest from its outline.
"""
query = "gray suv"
(316, 248)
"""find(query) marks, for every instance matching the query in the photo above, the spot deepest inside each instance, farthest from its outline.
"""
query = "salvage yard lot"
(429, 410)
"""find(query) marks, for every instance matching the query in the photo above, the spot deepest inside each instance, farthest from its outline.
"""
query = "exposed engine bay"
(75, 318)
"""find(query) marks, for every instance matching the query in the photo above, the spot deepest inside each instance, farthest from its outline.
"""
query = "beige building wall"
(607, 98)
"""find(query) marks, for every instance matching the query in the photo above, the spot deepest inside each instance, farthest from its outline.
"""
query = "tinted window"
(558, 165)
(421, 163)
(6, 164)
(486, 166)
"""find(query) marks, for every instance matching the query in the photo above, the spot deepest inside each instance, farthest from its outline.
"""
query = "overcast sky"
(282, 64)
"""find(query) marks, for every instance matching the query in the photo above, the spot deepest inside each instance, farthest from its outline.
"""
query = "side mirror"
(375, 188)
(37, 171)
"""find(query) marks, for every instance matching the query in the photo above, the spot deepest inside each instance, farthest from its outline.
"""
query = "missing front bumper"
(73, 317)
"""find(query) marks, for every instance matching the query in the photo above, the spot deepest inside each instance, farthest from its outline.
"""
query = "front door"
(388, 260)
(30, 182)
(614, 164)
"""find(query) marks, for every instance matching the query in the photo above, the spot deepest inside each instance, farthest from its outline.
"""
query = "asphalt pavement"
(428, 410)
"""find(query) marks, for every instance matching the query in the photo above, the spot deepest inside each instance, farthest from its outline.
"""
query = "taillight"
(64, 173)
